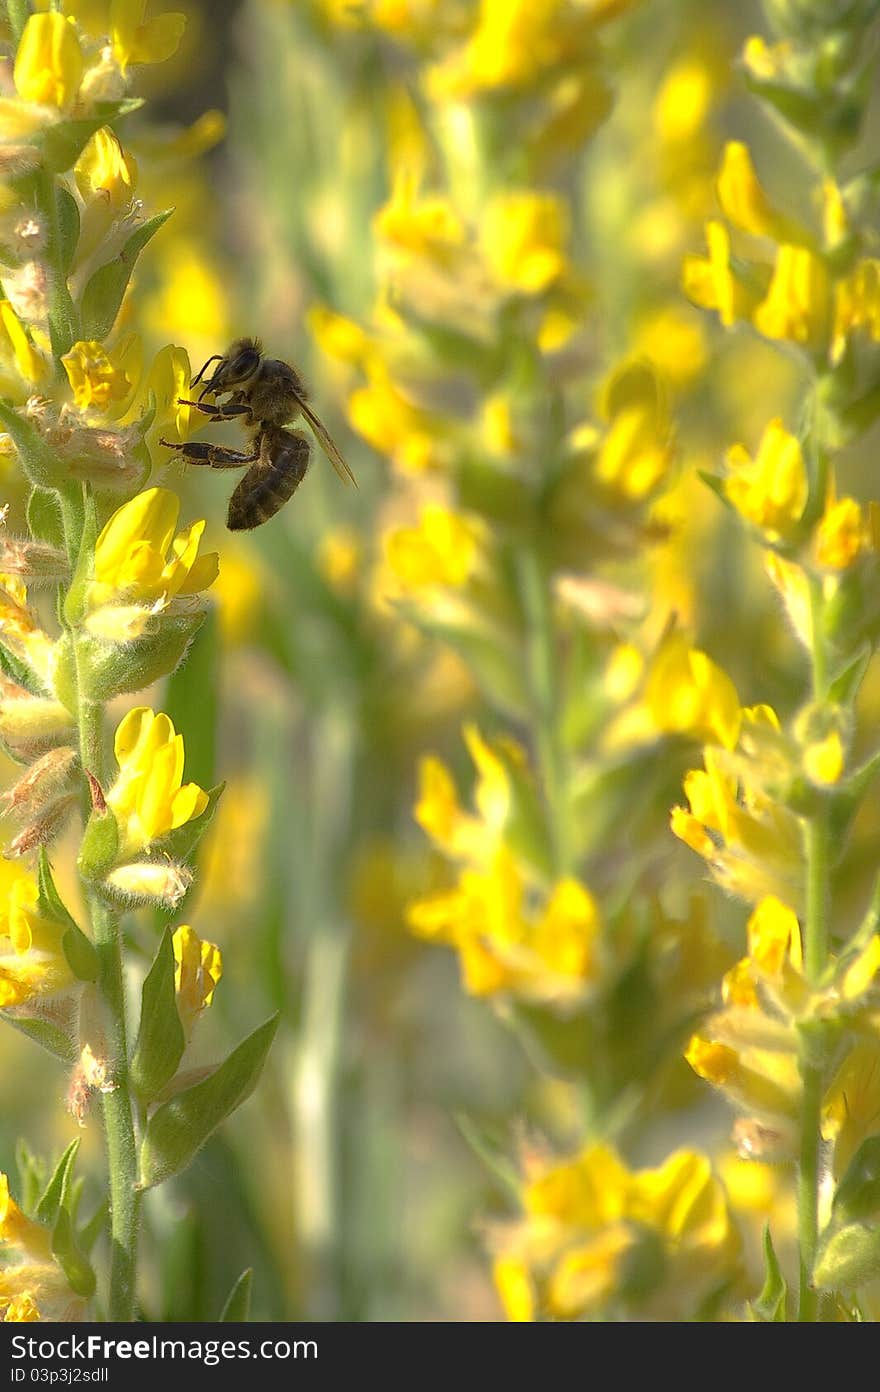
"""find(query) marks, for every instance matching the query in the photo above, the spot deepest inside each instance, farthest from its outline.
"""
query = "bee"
(265, 395)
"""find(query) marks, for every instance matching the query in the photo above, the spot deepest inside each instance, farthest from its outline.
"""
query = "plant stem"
(542, 680)
(122, 1160)
(816, 935)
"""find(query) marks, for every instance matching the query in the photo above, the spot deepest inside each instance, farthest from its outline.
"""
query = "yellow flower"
(104, 381)
(600, 1240)
(752, 842)
(131, 555)
(105, 172)
(49, 62)
(198, 968)
(824, 759)
(514, 1286)
(393, 425)
(636, 450)
(21, 634)
(687, 693)
(713, 283)
(743, 200)
(767, 62)
(841, 534)
(168, 380)
(105, 178)
(32, 961)
(460, 835)
(683, 102)
(32, 1284)
(851, 1106)
(765, 1083)
(427, 227)
(524, 236)
(516, 44)
(148, 798)
(546, 954)
(17, 349)
(798, 300)
(770, 490)
(339, 558)
(442, 550)
(136, 40)
(857, 305)
(338, 336)
(672, 339)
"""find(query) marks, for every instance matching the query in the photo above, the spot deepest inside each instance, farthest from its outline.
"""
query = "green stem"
(122, 1159)
(543, 689)
(816, 944)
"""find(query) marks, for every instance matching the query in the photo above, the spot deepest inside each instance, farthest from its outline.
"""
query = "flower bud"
(42, 780)
(33, 561)
(159, 882)
(31, 725)
(43, 829)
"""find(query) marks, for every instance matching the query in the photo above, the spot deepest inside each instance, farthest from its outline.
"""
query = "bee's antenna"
(203, 370)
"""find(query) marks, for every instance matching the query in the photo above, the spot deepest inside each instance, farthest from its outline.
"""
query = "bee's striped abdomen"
(271, 480)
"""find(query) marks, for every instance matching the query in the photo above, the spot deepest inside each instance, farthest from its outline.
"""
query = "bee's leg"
(216, 413)
(214, 456)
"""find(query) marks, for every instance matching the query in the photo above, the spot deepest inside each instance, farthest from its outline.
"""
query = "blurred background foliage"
(354, 1183)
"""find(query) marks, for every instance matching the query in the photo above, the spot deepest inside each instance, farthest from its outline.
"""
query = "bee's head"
(234, 368)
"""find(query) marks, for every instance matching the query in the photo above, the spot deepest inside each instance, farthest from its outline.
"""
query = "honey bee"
(265, 395)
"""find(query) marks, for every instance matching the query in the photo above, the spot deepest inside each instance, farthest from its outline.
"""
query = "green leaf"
(70, 1257)
(770, 1306)
(44, 517)
(845, 684)
(50, 1037)
(494, 660)
(178, 1129)
(93, 1229)
(191, 701)
(81, 955)
(68, 227)
(31, 1175)
(38, 461)
(123, 668)
(104, 292)
(161, 1041)
(49, 901)
(858, 1193)
(491, 1149)
(847, 1257)
(17, 671)
(99, 848)
(75, 602)
(238, 1303)
(181, 843)
(79, 950)
(53, 1195)
(64, 142)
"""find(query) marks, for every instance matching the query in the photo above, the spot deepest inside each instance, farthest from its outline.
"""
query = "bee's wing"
(327, 444)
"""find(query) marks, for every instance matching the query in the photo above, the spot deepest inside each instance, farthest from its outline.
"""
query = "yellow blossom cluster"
(598, 1240)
